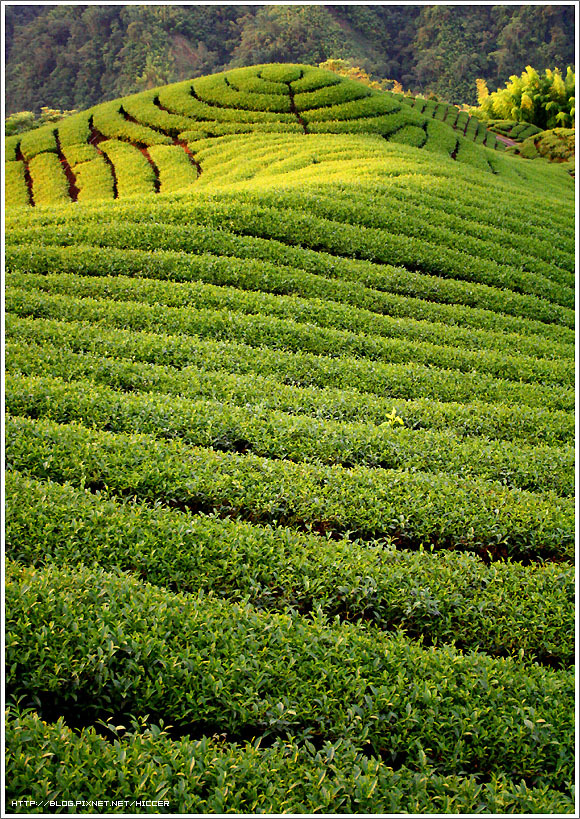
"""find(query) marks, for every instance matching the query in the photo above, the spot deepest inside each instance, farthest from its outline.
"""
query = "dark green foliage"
(80, 56)
(296, 438)
(504, 609)
(277, 268)
(365, 335)
(440, 509)
(300, 346)
(410, 135)
(201, 660)
(97, 359)
(197, 776)
(513, 129)
(557, 145)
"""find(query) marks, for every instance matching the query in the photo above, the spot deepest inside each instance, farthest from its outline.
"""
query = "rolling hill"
(290, 393)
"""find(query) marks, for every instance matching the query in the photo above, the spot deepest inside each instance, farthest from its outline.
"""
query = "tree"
(546, 101)
(19, 122)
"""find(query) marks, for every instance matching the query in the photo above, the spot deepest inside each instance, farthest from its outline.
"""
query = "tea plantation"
(290, 393)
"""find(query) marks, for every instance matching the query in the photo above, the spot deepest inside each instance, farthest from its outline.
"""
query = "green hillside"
(162, 140)
(290, 488)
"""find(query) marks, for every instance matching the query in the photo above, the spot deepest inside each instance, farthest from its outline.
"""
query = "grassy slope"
(290, 391)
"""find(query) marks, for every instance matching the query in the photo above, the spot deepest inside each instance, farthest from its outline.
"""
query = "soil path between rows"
(504, 139)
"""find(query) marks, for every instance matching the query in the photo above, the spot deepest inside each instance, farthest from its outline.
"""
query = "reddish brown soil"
(73, 191)
(27, 177)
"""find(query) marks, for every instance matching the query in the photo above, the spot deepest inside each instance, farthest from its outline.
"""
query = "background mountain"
(77, 56)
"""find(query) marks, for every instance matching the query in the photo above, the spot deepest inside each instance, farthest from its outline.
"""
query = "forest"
(72, 57)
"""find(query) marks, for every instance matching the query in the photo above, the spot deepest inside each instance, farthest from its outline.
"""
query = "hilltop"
(290, 513)
(160, 140)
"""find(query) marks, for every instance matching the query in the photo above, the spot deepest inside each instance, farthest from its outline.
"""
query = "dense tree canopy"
(75, 56)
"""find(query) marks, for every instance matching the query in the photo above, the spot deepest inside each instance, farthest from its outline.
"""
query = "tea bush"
(289, 459)
(203, 660)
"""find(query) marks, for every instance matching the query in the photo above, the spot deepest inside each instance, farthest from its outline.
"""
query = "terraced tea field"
(290, 393)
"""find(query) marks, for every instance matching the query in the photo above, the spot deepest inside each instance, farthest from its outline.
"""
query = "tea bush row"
(346, 91)
(288, 336)
(290, 224)
(47, 350)
(133, 173)
(176, 170)
(74, 130)
(314, 79)
(382, 289)
(11, 145)
(49, 182)
(504, 609)
(108, 119)
(469, 152)
(349, 109)
(78, 154)
(480, 200)
(409, 221)
(215, 91)
(411, 135)
(210, 776)
(384, 124)
(145, 109)
(194, 659)
(430, 209)
(255, 84)
(38, 141)
(383, 313)
(210, 129)
(293, 227)
(274, 434)
(15, 188)
(439, 509)
(93, 176)
(471, 203)
(323, 326)
(484, 197)
(403, 281)
(440, 138)
(514, 130)
(179, 99)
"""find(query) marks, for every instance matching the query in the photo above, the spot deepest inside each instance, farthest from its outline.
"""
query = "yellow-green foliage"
(94, 180)
(176, 169)
(79, 153)
(133, 172)
(74, 130)
(15, 190)
(261, 100)
(544, 100)
(109, 120)
(38, 142)
(49, 182)
(216, 90)
(11, 144)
